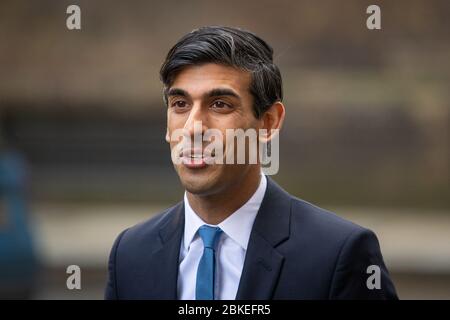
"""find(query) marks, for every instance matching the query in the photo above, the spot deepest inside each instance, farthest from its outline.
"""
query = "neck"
(215, 208)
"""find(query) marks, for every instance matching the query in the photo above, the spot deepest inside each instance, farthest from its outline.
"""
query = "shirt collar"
(237, 226)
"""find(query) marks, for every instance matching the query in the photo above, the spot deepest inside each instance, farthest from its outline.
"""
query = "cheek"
(175, 122)
(235, 120)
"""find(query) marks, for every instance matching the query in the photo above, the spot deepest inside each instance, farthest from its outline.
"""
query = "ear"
(273, 119)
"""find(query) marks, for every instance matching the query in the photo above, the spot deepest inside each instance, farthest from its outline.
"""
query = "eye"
(179, 104)
(221, 105)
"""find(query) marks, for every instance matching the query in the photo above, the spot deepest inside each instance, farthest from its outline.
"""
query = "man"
(237, 234)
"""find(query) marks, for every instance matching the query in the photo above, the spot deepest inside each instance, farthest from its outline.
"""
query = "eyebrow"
(217, 92)
(177, 92)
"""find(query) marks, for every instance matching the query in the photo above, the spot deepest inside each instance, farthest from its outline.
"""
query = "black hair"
(231, 47)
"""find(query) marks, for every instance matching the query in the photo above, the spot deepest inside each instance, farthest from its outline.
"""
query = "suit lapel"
(164, 270)
(263, 263)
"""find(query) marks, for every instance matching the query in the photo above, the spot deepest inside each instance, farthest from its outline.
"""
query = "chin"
(200, 183)
(197, 187)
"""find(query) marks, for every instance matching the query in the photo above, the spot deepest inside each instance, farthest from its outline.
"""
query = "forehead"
(199, 79)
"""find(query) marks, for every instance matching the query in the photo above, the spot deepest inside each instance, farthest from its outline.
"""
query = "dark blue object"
(296, 251)
(17, 255)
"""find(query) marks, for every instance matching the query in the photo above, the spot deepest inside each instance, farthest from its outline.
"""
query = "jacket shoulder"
(149, 229)
(131, 253)
(323, 222)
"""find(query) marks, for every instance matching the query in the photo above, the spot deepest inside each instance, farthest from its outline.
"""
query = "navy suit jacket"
(296, 251)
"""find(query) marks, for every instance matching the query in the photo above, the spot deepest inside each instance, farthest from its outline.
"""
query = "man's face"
(219, 97)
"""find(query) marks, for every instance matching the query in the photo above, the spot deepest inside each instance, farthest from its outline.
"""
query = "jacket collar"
(263, 263)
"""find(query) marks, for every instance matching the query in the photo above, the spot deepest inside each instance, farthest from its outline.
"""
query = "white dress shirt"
(230, 251)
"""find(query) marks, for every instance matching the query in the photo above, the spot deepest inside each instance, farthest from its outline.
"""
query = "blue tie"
(205, 273)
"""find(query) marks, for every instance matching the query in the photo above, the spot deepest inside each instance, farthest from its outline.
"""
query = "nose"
(196, 122)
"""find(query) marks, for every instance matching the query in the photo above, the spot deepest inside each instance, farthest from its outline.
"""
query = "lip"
(191, 152)
(193, 158)
(194, 163)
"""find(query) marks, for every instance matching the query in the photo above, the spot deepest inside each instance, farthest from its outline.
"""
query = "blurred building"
(367, 116)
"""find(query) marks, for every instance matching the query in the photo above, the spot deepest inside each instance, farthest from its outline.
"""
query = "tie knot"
(209, 235)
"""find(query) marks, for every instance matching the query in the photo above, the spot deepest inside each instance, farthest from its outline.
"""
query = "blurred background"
(82, 121)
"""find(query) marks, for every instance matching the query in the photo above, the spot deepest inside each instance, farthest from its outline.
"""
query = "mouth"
(196, 158)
